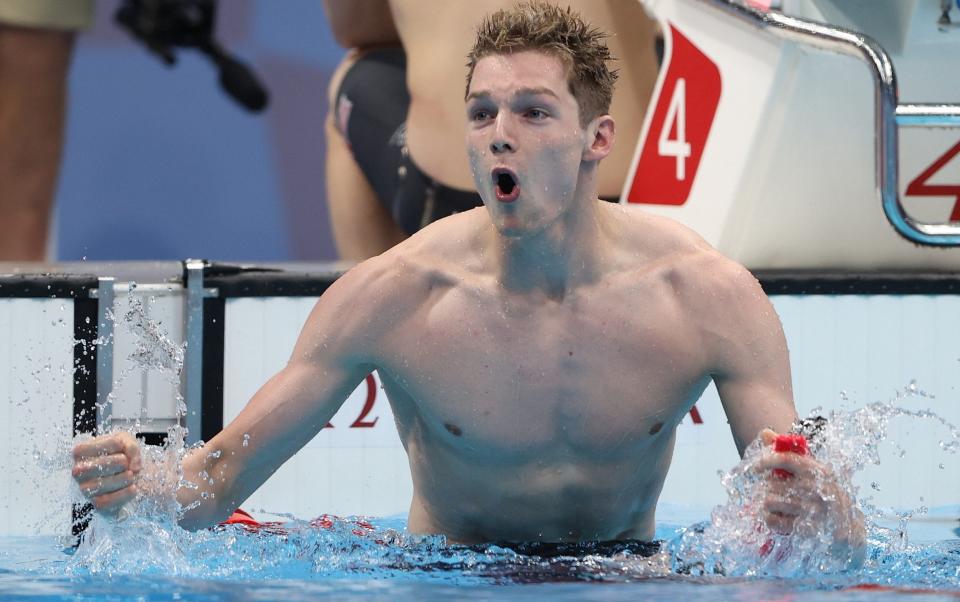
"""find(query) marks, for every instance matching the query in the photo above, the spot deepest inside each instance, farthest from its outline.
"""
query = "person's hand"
(803, 497)
(106, 470)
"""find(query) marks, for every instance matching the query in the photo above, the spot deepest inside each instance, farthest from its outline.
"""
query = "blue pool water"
(145, 559)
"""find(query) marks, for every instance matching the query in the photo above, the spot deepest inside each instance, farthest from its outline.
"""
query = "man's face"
(524, 139)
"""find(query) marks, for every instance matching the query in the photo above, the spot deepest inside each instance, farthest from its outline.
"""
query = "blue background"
(160, 164)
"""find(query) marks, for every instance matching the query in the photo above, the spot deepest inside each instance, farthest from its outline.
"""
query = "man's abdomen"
(553, 498)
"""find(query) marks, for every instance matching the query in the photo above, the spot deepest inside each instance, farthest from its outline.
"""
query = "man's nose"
(502, 141)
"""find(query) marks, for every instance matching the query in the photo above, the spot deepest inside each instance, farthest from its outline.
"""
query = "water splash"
(737, 542)
(332, 547)
(154, 350)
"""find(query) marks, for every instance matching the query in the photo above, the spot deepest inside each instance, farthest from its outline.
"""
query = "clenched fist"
(106, 470)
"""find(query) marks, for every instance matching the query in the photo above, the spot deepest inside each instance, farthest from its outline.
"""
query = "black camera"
(164, 25)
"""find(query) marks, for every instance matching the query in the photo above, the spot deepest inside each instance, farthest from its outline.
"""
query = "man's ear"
(601, 133)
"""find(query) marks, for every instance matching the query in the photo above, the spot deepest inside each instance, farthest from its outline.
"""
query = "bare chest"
(591, 376)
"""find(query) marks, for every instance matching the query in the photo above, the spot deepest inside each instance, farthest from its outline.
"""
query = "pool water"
(145, 559)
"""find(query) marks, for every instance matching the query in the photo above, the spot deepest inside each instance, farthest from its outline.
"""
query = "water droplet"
(246, 439)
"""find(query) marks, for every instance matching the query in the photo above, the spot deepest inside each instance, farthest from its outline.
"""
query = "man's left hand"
(803, 496)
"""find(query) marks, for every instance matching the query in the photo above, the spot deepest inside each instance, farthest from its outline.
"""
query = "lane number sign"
(683, 112)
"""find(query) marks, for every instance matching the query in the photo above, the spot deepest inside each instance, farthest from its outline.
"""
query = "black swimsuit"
(371, 112)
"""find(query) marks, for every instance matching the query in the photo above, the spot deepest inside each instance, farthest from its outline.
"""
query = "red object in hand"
(794, 444)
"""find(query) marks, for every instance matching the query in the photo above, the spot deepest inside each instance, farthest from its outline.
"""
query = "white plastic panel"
(36, 415)
(749, 77)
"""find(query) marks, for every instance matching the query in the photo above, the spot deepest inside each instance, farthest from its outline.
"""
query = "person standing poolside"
(36, 42)
(538, 353)
(395, 154)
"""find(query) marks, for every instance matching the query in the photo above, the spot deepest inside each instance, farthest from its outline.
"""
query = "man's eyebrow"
(519, 92)
(536, 92)
(479, 94)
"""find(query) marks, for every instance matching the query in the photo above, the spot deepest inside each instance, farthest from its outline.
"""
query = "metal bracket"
(104, 294)
(193, 355)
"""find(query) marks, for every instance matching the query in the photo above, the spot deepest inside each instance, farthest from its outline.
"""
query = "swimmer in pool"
(539, 352)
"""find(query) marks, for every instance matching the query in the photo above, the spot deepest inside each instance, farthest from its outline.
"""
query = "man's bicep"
(753, 375)
(326, 365)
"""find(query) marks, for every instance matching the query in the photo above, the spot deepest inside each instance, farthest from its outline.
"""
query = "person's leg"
(33, 84)
(362, 227)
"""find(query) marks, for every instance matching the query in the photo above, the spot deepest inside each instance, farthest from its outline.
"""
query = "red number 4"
(919, 186)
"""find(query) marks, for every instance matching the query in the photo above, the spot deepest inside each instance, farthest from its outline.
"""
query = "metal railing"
(888, 117)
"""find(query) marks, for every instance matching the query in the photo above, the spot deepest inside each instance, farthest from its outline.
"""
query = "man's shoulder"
(383, 280)
(437, 255)
(688, 261)
(447, 250)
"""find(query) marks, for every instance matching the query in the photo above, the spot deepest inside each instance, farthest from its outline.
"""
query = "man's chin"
(514, 224)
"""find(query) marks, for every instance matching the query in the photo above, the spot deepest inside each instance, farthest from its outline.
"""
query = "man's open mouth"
(505, 185)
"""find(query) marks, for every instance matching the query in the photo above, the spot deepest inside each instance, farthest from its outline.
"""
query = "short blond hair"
(538, 25)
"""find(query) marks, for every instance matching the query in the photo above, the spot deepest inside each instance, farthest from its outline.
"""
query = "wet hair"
(541, 26)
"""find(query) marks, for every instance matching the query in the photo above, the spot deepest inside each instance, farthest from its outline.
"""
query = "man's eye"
(480, 115)
(536, 113)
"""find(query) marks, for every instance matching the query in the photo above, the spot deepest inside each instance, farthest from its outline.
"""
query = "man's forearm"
(204, 496)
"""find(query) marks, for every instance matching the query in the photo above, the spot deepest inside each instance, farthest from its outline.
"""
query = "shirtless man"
(538, 353)
(395, 154)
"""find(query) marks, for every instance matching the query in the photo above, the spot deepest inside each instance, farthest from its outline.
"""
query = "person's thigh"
(33, 81)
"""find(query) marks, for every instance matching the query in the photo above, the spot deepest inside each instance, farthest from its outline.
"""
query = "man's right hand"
(106, 469)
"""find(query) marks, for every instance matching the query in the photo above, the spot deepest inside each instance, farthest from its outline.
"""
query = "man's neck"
(566, 254)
